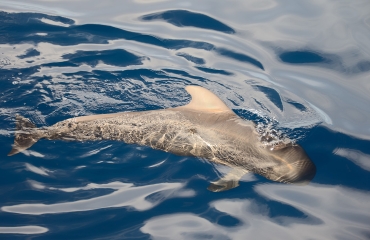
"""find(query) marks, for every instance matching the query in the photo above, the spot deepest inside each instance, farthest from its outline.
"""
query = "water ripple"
(183, 18)
(255, 219)
(125, 195)
(23, 230)
(298, 67)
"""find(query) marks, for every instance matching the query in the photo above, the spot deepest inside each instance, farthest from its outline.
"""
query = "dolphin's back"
(204, 128)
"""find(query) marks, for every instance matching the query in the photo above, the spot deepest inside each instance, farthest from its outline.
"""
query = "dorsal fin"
(204, 100)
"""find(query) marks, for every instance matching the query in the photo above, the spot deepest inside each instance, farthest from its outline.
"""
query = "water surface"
(299, 67)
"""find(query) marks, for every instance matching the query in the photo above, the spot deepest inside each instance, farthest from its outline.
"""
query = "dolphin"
(204, 128)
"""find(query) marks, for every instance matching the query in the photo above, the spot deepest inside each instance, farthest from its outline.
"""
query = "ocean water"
(301, 67)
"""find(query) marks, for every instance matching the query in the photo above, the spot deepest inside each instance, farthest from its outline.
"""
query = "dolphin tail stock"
(26, 135)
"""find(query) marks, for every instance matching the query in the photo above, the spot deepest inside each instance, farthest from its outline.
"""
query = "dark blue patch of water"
(301, 57)
(183, 18)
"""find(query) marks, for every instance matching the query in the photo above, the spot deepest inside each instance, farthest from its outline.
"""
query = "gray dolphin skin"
(204, 128)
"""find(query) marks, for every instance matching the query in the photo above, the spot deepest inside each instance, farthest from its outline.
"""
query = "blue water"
(300, 67)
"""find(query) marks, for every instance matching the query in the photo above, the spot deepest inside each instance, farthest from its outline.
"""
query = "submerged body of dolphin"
(204, 128)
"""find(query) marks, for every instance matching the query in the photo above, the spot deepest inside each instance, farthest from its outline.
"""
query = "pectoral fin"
(229, 181)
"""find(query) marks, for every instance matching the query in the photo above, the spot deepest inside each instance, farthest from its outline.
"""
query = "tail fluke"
(25, 135)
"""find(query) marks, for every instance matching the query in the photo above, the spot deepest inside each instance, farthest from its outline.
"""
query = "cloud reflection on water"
(313, 54)
(359, 158)
(331, 212)
(125, 195)
(24, 230)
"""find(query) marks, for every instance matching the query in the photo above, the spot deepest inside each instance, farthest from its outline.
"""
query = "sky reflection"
(125, 195)
(23, 230)
(331, 212)
(359, 158)
(326, 42)
(302, 66)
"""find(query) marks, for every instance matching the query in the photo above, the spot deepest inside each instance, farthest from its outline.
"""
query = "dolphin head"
(293, 165)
